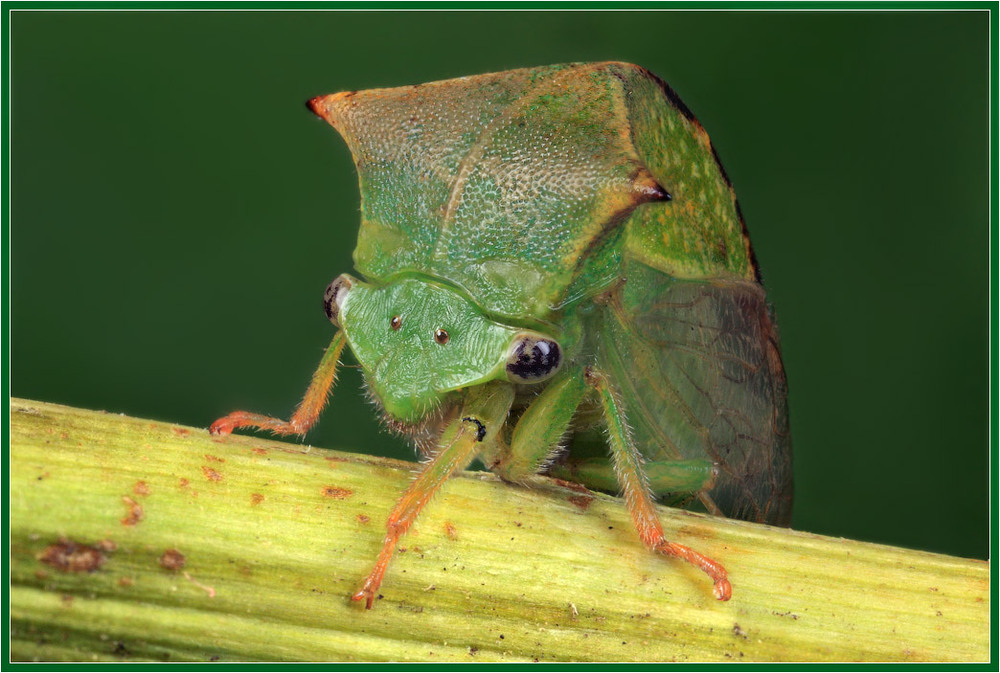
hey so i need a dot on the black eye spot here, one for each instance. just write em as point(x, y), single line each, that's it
point(441, 336)
point(396, 322)
point(533, 359)
point(334, 297)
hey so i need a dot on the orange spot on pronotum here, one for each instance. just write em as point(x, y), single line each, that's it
point(337, 493)
point(210, 474)
point(134, 512)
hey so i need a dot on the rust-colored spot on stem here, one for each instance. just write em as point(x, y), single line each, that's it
point(141, 488)
point(337, 493)
point(363, 518)
point(581, 501)
point(450, 530)
point(571, 485)
point(210, 474)
point(134, 513)
point(214, 459)
point(172, 560)
point(69, 556)
point(256, 499)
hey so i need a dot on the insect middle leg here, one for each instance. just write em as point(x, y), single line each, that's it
point(308, 410)
point(663, 476)
point(544, 423)
point(482, 415)
point(628, 466)
point(541, 427)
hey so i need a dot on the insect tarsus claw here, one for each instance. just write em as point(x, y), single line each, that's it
point(368, 597)
point(723, 590)
point(220, 428)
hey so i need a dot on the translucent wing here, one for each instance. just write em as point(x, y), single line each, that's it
point(499, 183)
point(699, 367)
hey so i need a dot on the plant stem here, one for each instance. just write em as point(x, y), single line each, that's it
point(273, 538)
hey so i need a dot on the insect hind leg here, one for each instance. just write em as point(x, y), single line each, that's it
point(628, 466)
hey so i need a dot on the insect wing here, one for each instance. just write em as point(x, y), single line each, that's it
point(700, 371)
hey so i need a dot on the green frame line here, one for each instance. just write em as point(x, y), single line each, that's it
point(507, 5)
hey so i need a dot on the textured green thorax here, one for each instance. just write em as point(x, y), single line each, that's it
point(410, 371)
point(507, 184)
point(498, 183)
point(699, 234)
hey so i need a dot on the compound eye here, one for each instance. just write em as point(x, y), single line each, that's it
point(396, 323)
point(333, 298)
point(532, 358)
point(441, 336)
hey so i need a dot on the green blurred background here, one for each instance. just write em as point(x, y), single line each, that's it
point(176, 214)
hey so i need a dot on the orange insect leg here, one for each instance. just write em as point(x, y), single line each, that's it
point(628, 466)
point(308, 411)
point(458, 448)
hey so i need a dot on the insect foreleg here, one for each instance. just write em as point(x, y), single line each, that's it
point(309, 408)
point(541, 426)
point(483, 413)
point(628, 466)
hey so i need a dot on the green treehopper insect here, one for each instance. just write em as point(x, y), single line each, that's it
point(546, 253)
